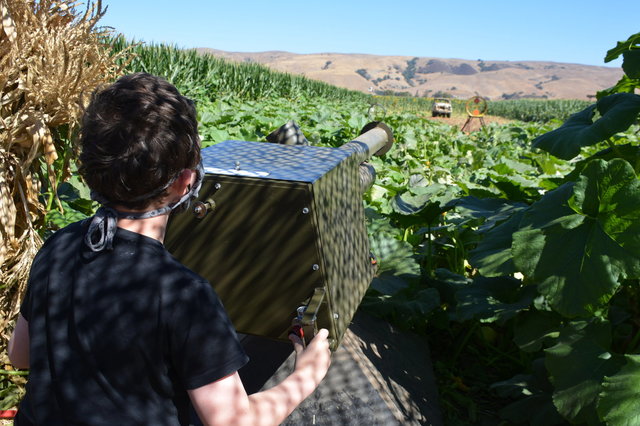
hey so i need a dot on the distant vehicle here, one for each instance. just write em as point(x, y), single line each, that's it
point(441, 107)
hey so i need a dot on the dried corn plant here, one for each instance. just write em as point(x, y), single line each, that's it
point(52, 57)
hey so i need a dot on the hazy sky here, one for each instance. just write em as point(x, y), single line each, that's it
point(559, 30)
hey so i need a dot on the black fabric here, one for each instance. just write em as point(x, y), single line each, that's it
point(117, 337)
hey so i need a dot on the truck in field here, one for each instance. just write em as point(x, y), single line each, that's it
point(441, 107)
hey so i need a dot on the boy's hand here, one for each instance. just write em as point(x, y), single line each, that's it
point(314, 360)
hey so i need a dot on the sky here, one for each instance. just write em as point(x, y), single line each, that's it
point(515, 30)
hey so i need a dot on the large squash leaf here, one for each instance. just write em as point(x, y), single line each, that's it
point(493, 256)
point(618, 112)
point(618, 404)
point(579, 240)
point(533, 405)
point(493, 299)
point(393, 255)
point(624, 85)
point(577, 366)
point(631, 63)
point(622, 47)
point(534, 329)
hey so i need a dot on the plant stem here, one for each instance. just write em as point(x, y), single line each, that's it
point(406, 234)
point(502, 353)
point(634, 342)
point(429, 254)
point(14, 373)
point(462, 344)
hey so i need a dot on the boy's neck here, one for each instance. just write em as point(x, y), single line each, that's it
point(152, 227)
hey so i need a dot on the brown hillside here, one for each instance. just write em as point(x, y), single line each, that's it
point(428, 76)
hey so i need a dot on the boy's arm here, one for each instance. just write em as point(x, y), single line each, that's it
point(18, 348)
point(225, 402)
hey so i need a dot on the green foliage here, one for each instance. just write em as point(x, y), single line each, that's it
point(205, 77)
point(618, 112)
point(630, 51)
point(536, 110)
point(527, 110)
point(577, 364)
point(496, 299)
point(11, 388)
point(579, 240)
point(618, 404)
point(553, 252)
point(532, 392)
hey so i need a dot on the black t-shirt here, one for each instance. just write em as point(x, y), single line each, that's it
point(117, 337)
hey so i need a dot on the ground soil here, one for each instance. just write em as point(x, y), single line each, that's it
point(379, 376)
point(474, 124)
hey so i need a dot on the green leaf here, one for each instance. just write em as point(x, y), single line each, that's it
point(627, 152)
point(357, 122)
point(57, 220)
point(618, 112)
point(577, 366)
point(493, 256)
point(418, 197)
point(448, 283)
point(622, 46)
point(618, 404)
point(409, 204)
point(566, 141)
point(516, 188)
point(422, 205)
point(631, 63)
point(534, 410)
point(76, 196)
point(423, 302)
point(404, 307)
point(534, 406)
point(624, 85)
point(493, 299)
point(535, 328)
point(579, 240)
point(388, 283)
point(392, 254)
point(207, 117)
point(491, 210)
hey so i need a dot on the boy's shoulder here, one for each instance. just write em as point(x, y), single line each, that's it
point(64, 236)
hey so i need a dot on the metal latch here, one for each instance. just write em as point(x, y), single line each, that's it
point(304, 324)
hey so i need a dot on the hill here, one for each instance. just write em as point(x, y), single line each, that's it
point(434, 76)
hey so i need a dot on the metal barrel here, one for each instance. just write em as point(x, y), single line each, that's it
point(376, 138)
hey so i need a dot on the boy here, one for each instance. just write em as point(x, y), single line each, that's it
point(114, 329)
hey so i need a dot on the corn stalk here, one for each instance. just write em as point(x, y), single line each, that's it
point(52, 57)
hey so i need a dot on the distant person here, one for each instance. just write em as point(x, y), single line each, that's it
point(113, 328)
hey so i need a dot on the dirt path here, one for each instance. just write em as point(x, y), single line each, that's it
point(460, 120)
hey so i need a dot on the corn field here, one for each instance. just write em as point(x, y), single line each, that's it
point(539, 110)
point(203, 76)
point(528, 110)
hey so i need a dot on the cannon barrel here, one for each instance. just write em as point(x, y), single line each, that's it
point(375, 139)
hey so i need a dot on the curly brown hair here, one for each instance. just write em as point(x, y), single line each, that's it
point(137, 135)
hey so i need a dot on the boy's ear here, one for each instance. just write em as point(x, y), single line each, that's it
point(182, 185)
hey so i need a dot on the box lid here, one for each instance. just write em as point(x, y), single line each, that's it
point(300, 163)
